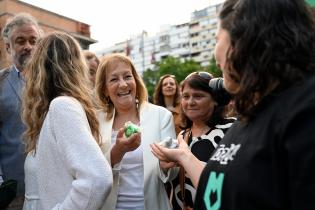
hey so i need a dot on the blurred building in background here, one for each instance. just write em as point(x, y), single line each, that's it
point(192, 40)
point(47, 20)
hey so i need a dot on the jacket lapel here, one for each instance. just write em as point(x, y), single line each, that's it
point(106, 131)
point(15, 82)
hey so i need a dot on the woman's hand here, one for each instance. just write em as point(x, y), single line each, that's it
point(170, 157)
point(124, 145)
point(182, 156)
point(165, 163)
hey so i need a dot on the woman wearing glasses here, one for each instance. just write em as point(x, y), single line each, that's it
point(266, 50)
point(204, 127)
point(166, 94)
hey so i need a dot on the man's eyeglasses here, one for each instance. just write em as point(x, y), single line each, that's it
point(203, 74)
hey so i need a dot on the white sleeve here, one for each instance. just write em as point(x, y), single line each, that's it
point(92, 176)
point(167, 130)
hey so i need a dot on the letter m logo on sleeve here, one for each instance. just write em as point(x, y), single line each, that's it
point(212, 195)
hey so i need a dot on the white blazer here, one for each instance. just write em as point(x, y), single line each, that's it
point(156, 123)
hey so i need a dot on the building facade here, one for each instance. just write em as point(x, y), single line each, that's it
point(202, 29)
point(47, 20)
point(192, 40)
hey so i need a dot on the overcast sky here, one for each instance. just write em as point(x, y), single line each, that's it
point(116, 20)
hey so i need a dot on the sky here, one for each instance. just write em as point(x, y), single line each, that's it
point(113, 21)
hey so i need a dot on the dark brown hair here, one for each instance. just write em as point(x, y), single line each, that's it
point(197, 82)
point(272, 46)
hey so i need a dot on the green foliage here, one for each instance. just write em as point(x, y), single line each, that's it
point(180, 69)
point(169, 65)
point(213, 69)
point(150, 77)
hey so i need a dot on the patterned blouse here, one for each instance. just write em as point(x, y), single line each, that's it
point(202, 147)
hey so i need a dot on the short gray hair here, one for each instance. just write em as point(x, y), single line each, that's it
point(18, 20)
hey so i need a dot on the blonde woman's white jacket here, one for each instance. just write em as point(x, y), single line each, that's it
point(156, 123)
point(71, 169)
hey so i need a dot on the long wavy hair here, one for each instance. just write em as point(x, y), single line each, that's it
point(110, 61)
point(158, 97)
point(57, 68)
point(272, 47)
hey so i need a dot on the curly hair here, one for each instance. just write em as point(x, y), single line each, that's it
point(106, 63)
point(272, 47)
point(57, 68)
point(158, 97)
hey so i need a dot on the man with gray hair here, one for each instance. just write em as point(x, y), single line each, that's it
point(20, 35)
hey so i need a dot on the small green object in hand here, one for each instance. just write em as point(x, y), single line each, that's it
point(131, 128)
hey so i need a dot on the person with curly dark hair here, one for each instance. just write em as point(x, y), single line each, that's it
point(266, 50)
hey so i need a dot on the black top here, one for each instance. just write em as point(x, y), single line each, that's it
point(269, 163)
point(202, 147)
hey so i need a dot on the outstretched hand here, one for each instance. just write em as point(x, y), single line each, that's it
point(170, 157)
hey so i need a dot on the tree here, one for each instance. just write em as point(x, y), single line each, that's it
point(213, 69)
point(150, 79)
point(169, 65)
point(180, 69)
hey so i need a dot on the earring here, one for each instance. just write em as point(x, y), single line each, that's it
point(137, 103)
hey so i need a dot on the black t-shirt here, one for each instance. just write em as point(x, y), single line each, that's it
point(268, 163)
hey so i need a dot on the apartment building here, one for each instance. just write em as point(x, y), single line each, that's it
point(191, 40)
point(140, 48)
point(202, 28)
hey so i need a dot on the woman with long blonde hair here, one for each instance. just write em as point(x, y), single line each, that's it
point(65, 167)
